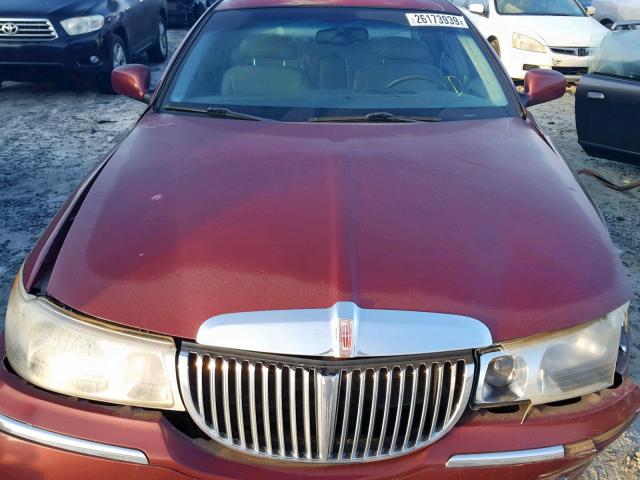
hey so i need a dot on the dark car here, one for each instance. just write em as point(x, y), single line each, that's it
point(186, 12)
point(336, 245)
point(608, 97)
point(44, 40)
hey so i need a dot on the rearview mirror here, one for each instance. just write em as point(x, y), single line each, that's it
point(342, 35)
point(132, 81)
point(591, 11)
point(541, 86)
point(476, 8)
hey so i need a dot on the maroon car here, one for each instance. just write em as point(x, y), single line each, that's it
point(336, 245)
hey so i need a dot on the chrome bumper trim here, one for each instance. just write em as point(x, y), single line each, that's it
point(72, 444)
point(506, 458)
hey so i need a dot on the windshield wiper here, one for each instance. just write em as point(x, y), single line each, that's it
point(379, 117)
point(217, 112)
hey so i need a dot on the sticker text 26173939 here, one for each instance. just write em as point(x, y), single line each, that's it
point(436, 20)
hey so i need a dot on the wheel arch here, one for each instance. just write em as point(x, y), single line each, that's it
point(122, 33)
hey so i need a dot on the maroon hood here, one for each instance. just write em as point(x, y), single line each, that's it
point(194, 217)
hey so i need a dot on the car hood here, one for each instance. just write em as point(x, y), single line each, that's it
point(559, 31)
point(45, 8)
point(195, 217)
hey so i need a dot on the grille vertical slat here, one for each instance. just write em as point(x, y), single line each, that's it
point(385, 415)
point(266, 420)
point(279, 410)
point(372, 415)
point(199, 361)
point(396, 426)
point(225, 399)
point(412, 408)
point(306, 413)
point(212, 393)
point(323, 413)
point(450, 394)
point(239, 403)
point(345, 415)
point(252, 407)
point(425, 404)
point(356, 435)
point(293, 413)
point(437, 392)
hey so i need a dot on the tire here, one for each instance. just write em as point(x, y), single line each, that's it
point(117, 57)
point(160, 50)
point(495, 45)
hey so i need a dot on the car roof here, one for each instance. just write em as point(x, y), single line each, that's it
point(430, 5)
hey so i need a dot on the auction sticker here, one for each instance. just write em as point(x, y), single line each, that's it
point(436, 20)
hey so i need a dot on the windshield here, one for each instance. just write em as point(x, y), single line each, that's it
point(619, 55)
point(564, 8)
point(303, 63)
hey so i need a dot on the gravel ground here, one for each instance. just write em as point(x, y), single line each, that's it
point(52, 137)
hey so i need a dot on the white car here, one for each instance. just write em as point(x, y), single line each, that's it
point(530, 34)
point(609, 12)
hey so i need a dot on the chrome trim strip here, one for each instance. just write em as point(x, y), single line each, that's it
point(70, 444)
point(516, 457)
point(313, 332)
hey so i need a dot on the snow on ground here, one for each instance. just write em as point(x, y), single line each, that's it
point(51, 137)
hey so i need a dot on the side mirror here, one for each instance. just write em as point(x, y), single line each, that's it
point(541, 86)
point(132, 81)
point(477, 8)
point(591, 11)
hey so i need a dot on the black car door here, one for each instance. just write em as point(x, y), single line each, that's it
point(152, 17)
point(136, 24)
point(608, 98)
point(608, 113)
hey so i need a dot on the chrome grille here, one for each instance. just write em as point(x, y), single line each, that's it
point(26, 29)
point(574, 51)
point(324, 411)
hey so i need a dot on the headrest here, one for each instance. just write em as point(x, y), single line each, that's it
point(268, 46)
point(399, 48)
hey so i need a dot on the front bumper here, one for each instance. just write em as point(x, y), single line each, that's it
point(29, 60)
point(44, 435)
point(519, 62)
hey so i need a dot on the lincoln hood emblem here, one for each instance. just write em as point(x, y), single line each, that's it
point(343, 324)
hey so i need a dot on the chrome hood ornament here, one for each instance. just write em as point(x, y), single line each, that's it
point(344, 331)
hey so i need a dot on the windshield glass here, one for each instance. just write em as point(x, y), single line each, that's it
point(565, 8)
point(302, 63)
point(619, 55)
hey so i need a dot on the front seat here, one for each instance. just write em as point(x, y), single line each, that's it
point(395, 58)
point(267, 70)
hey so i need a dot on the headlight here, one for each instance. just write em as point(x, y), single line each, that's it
point(80, 25)
point(61, 352)
point(524, 42)
point(557, 366)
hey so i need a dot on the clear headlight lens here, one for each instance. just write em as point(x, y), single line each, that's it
point(58, 351)
point(551, 367)
point(524, 42)
point(80, 25)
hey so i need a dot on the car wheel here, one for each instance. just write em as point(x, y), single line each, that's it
point(159, 51)
point(495, 44)
point(117, 58)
